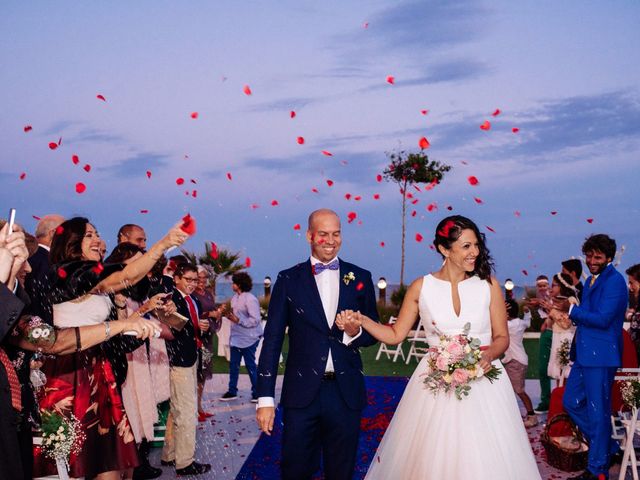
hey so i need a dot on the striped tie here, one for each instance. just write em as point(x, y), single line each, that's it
point(593, 280)
point(14, 383)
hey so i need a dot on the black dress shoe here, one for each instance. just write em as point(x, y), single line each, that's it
point(146, 472)
point(168, 463)
point(587, 475)
point(194, 469)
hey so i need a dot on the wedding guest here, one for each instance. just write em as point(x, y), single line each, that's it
point(633, 312)
point(246, 331)
point(80, 285)
point(573, 268)
point(35, 281)
point(213, 313)
point(180, 437)
point(516, 359)
point(596, 354)
point(561, 290)
point(13, 254)
point(133, 233)
point(140, 395)
point(546, 336)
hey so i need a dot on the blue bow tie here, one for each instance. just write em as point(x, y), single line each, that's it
point(320, 267)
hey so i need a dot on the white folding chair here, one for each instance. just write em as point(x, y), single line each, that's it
point(629, 421)
point(418, 341)
point(388, 351)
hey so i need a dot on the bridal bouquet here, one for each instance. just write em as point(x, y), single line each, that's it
point(61, 438)
point(454, 364)
point(564, 351)
point(630, 391)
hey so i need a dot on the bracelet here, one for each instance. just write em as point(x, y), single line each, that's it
point(78, 343)
point(107, 330)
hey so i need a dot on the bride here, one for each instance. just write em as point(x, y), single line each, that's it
point(433, 435)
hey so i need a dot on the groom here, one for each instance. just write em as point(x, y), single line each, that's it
point(596, 352)
point(323, 393)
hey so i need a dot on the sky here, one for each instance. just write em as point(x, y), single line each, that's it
point(565, 74)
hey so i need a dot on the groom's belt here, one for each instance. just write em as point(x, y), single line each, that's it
point(329, 376)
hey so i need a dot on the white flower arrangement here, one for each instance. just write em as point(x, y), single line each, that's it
point(348, 277)
point(61, 437)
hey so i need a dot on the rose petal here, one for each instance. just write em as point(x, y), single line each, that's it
point(23, 176)
point(61, 273)
point(35, 217)
point(27, 128)
point(517, 213)
point(485, 125)
point(418, 237)
point(194, 115)
point(98, 268)
point(347, 196)
point(53, 145)
point(357, 198)
point(87, 168)
point(274, 203)
point(148, 173)
point(314, 190)
point(188, 225)
point(424, 112)
point(296, 226)
point(327, 153)
point(359, 286)
point(101, 97)
point(554, 213)
point(423, 143)
point(589, 220)
point(515, 129)
point(525, 272)
point(478, 200)
point(330, 183)
point(194, 193)
point(144, 211)
point(300, 140)
point(292, 114)
point(229, 176)
point(247, 262)
point(376, 196)
point(490, 229)
point(382, 244)
point(247, 90)
point(351, 216)
point(378, 178)
point(472, 180)
point(497, 112)
point(59, 230)
point(75, 159)
point(414, 213)
point(179, 181)
point(449, 207)
point(80, 187)
point(432, 206)
point(391, 79)
point(214, 251)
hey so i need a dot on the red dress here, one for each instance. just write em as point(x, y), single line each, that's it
point(84, 384)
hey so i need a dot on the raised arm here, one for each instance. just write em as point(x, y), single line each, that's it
point(134, 271)
point(389, 334)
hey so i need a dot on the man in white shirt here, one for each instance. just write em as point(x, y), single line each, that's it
point(323, 392)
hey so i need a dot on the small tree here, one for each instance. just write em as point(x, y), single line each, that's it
point(407, 169)
point(222, 263)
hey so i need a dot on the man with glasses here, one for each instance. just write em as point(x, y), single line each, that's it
point(180, 439)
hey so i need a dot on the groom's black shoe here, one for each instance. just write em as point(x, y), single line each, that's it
point(587, 475)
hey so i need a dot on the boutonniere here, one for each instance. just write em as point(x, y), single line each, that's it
point(348, 277)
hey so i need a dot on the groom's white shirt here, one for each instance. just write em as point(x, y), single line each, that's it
point(328, 283)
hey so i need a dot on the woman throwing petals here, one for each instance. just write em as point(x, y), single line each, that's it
point(434, 433)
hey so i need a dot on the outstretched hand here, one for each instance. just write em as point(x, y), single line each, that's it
point(349, 322)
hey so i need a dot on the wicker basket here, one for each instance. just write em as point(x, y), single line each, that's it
point(565, 457)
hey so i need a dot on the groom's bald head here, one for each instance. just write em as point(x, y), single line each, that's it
point(316, 214)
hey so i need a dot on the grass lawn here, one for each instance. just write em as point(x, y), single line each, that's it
point(384, 366)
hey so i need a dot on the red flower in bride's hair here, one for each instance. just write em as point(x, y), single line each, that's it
point(446, 228)
point(188, 224)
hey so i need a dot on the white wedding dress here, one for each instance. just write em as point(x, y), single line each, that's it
point(438, 437)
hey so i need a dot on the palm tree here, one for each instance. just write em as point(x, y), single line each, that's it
point(222, 263)
point(407, 169)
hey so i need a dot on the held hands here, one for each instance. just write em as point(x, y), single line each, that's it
point(561, 318)
point(265, 417)
point(203, 323)
point(349, 322)
point(175, 237)
point(485, 361)
point(144, 328)
point(17, 254)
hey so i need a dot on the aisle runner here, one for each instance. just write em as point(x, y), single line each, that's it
point(263, 463)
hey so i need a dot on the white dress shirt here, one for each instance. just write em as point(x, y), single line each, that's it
point(328, 283)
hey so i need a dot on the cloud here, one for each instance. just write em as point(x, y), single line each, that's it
point(93, 135)
point(58, 128)
point(290, 103)
point(137, 164)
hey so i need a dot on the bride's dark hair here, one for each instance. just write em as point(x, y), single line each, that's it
point(449, 230)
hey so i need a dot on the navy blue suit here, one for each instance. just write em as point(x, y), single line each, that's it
point(597, 354)
point(319, 414)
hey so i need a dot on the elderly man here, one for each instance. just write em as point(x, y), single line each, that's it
point(132, 233)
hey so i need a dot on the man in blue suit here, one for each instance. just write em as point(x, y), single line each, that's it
point(596, 352)
point(323, 393)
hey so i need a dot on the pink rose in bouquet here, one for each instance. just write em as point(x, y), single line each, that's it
point(442, 363)
point(455, 349)
point(460, 376)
